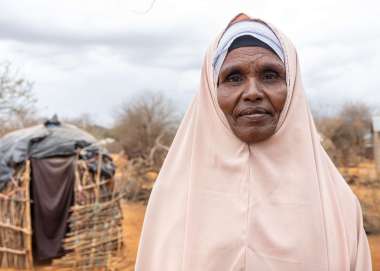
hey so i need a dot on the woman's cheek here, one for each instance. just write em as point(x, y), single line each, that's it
point(282, 94)
point(224, 98)
point(276, 96)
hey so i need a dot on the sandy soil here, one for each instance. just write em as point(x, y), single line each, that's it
point(134, 216)
point(374, 242)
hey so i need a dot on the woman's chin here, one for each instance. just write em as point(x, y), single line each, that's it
point(255, 119)
point(254, 133)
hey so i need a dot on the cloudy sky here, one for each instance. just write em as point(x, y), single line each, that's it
point(87, 56)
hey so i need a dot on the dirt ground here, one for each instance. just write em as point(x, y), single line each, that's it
point(374, 242)
point(134, 216)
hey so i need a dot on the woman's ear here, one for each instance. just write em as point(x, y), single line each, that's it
point(238, 18)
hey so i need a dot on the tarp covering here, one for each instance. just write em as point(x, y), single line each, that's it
point(49, 140)
point(52, 192)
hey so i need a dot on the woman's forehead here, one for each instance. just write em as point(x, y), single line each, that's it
point(250, 56)
point(253, 52)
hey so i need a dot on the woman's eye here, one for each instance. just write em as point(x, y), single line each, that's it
point(234, 78)
point(270, 75)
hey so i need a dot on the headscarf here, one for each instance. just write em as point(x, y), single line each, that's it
point(251, 28)
point(220, 204)
point(248, 41)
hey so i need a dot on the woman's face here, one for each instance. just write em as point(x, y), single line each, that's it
point(252, 92)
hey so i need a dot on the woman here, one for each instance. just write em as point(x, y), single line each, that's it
point(246, 184)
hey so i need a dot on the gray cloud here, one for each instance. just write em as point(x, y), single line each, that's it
point(88, 57)
point(169, 48)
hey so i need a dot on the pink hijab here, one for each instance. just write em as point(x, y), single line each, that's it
point(222, 205)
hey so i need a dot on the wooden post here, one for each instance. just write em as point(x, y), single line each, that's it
point(98, 177)
point(78, 185)
point(27, 220)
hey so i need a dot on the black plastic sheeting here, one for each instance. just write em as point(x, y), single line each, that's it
point(50, 140)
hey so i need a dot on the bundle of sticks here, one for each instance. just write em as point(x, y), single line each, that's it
point(94, 240)
point(15, 224)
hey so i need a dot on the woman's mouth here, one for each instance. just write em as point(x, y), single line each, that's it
point(254, 114)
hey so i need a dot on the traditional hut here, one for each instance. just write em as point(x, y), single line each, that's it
point(58, 199)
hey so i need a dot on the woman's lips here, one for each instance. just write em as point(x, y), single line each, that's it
point(253, 114)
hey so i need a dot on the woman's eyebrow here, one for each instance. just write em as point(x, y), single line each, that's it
point(272, 65)
point(231, 68)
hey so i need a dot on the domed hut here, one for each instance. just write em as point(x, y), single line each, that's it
point(58, 199)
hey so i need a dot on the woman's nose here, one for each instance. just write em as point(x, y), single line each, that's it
point(252, 91)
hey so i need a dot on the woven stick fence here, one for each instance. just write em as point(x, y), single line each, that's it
point(15, 223)
point(94, 241)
